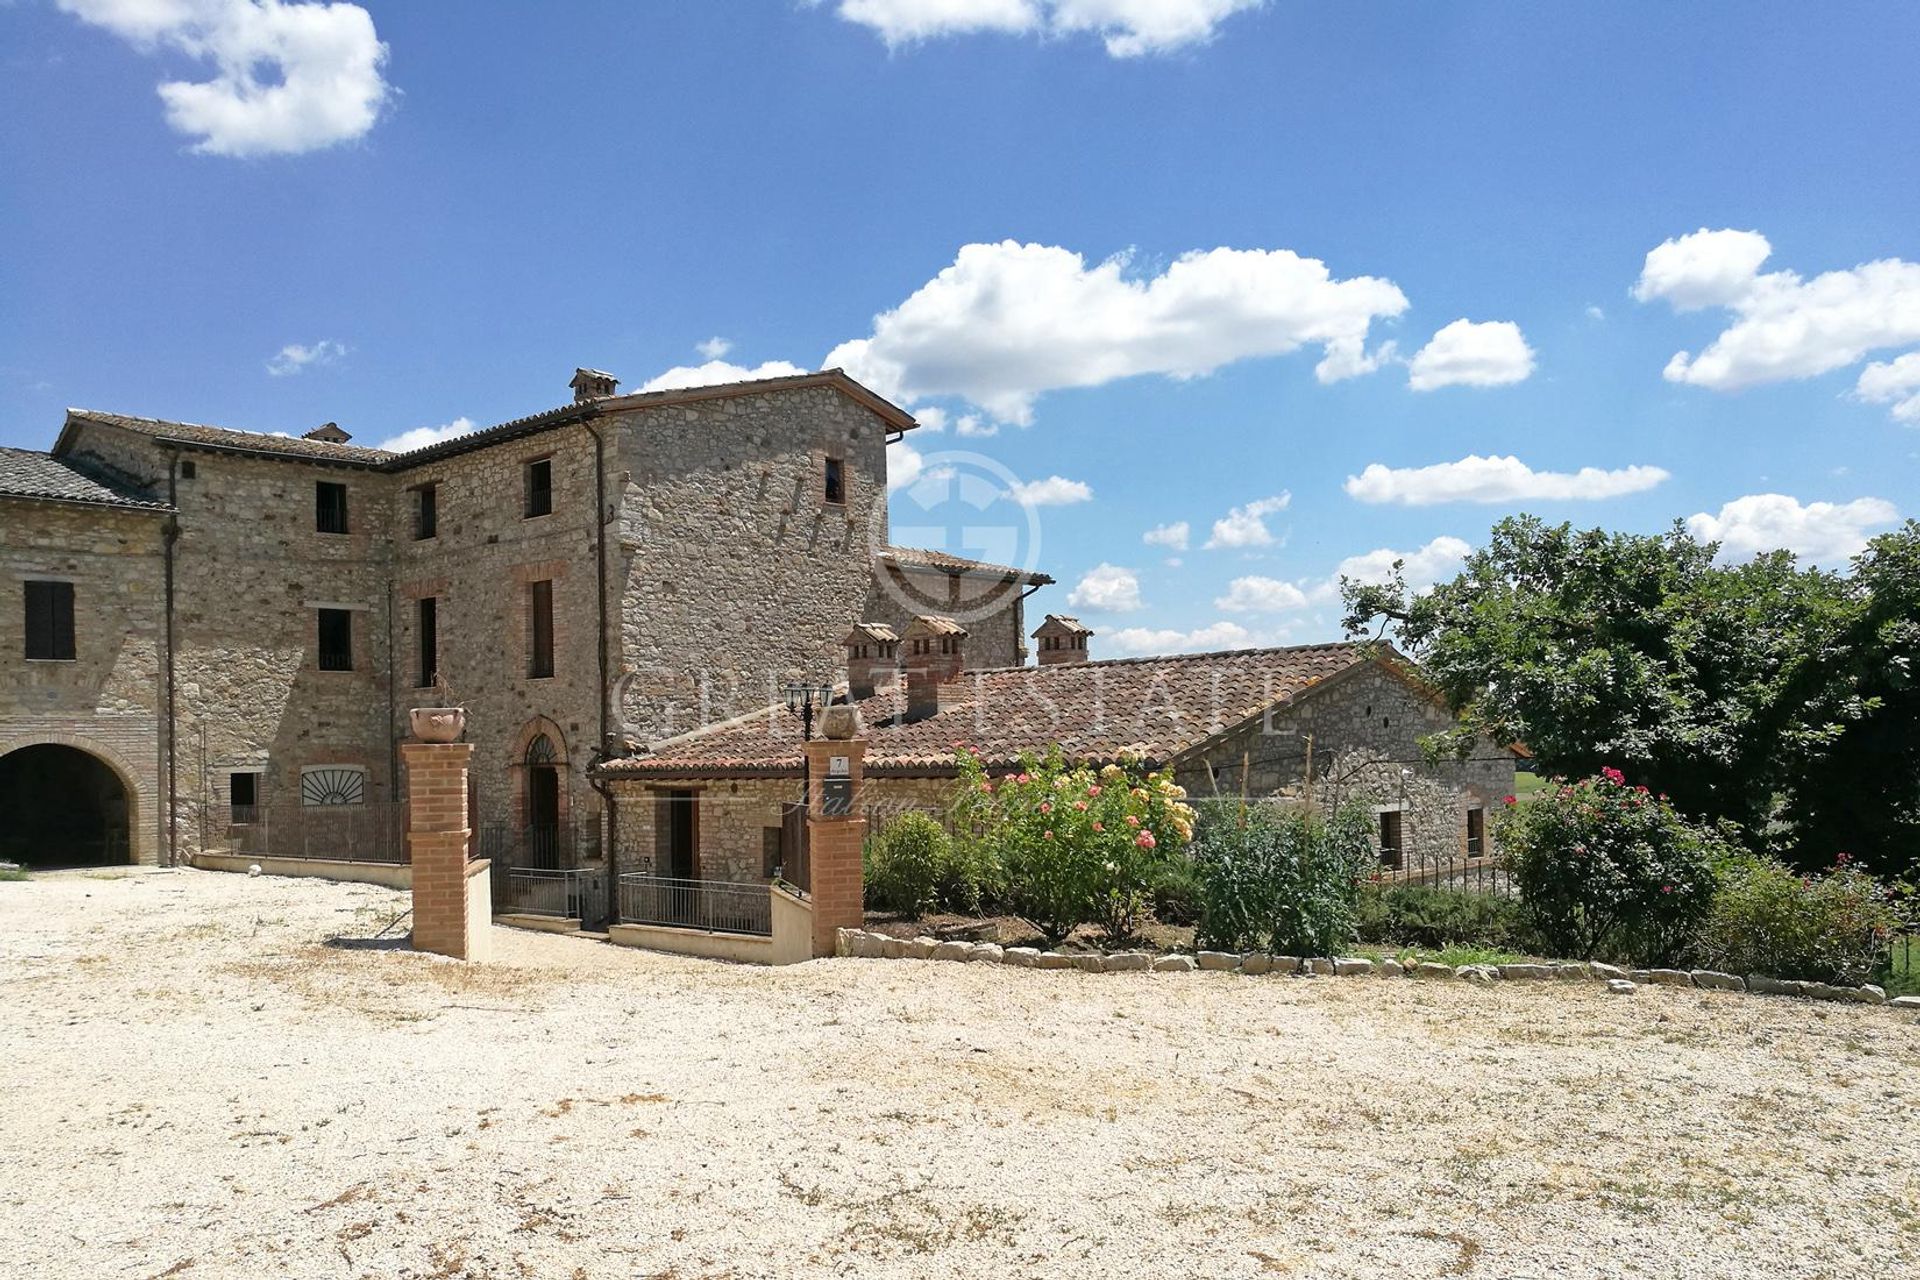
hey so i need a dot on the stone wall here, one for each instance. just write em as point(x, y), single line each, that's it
point(993, 611)
point(107, 700)
point(733, 820)
point(1366, 730)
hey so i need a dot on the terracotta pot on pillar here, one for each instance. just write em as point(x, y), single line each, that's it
point(437, 724)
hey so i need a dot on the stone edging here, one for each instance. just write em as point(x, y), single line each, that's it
point(877, 946)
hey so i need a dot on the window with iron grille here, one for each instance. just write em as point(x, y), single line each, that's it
point(426, 512)
point(429, 636)
point(1476, 832)
point(50, 621)
point(1392, 851)
point(336, 639)
point(243, 797)
point(539, 487)
point(329, 507)
point(836, 481)
point(540, 616)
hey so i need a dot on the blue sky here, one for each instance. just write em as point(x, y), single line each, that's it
point(1156, 247)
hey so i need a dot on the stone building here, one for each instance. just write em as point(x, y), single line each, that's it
point(212, 633)
point(1319, 725)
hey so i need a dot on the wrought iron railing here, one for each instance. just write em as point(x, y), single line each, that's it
point(718, 906)
point(552, 845)
point(575, 893)
point(329, 832)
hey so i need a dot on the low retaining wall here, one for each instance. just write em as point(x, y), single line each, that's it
point(875, 946)
point(790, 942)
point(394, 875)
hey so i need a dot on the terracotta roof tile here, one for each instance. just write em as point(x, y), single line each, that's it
point(227, 438)
point(921, 558)
point(1094, 710)
point(25, 473)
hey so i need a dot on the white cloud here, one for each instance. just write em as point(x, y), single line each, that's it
point(421, 437)
point(1108, 588)
point(714, 348)
point(1822, 532)
point(1261, 595)
point(1469, 354)
point(1133, 641)
point(1595, 313)
point(715, 372)
point(1007, 322)
point(1129, 28)
point(1171, 536)
point(972, 426)
point(1494, 479)
point(1895, 382)
point(1784, 327)
point(296, 357)
point(1054, 491)
point(1441, 558)
point(289, 77)
point(1247, 526)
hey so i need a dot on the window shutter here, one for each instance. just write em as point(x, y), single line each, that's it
point(662, 834)
point(62, 619)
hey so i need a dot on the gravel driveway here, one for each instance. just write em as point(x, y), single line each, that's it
point(194, 1084)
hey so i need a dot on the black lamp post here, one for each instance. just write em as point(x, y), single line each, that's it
point(803, 698)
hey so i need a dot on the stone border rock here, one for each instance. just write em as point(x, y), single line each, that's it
point(876, 946)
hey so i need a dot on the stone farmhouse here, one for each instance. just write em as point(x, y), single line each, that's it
point(210, 640)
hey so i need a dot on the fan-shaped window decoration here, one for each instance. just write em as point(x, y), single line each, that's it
point(540, 750)
point(334, 784)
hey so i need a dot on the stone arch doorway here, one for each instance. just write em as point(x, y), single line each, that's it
point(543, 803)
point(61, 806)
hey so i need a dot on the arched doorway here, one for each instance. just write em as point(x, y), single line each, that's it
point(542, 840)
point(63, 807)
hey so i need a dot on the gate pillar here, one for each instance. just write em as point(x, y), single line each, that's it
point(452, 897)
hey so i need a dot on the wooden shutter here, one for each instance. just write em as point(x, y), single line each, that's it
point(50, 620)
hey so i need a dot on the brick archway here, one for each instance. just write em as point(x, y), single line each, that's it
point(521, 767)
point(142, 804)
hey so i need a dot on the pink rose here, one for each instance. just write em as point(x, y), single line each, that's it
point(1094, 790)
point(1048, 836)
point(1144, 840)
point(1132, 821)
point(1081, 805)
point(1099, 827)
point(1046, 806)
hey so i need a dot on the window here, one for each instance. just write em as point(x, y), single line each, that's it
point(540, 615)
point(1476, 832)
point(428, 632)
point(243, 797)
point(539, 487)
point(1392, 853)
point(50, 621)
point(836, 481)
point(188, 470)
point(772, 855)
point(330, 784)
point(336, 640)
point(426, 512)
point(329, 507)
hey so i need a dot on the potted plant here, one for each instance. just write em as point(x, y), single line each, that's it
point(441, 722)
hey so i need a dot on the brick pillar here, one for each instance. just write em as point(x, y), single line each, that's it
point(452, 910)
point(834, 841)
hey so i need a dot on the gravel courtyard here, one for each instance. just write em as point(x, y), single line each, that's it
point(194, 1083)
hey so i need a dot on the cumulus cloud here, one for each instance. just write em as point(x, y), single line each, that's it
point(1054, 491)
point(288, 77)
point(1827, 533)
point(1894, 382)
point(715, 347)
point(1784, 327)
point(1133, 641)
point(906, 465)
point(1261, 595)
point(1247, 526)
point(1468, 354)
point(1108, 588)
point(1129, 28)
point(1171, 536)
point(715, 372)
point(297, 358)
point(421, 437)
point(1007, 322)
point(1439, 559)
point(1494, 479)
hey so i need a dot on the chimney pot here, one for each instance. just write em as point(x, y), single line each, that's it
point(936, 654)
point(592, 384)
point(1062, 639)
point(873, 660)
point(328, 432)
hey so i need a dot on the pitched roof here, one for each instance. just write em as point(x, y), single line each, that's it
point(309, 450)
point(940, 561)
point(26, 473)
point(1061, 624)
point(1160, 707)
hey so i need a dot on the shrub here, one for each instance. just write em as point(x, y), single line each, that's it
point(1176, 892)
point(1423, 916)
point(1279, 879)
point(1602, 866)
point(1771, 920)
point(1074, 845)
point(904, 865)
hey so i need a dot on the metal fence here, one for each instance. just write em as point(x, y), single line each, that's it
point(718, 906)
point(574, 893)
point(1467, 874)
point(549, 845)
point(333, 832)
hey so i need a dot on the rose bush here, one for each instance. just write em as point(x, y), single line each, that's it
point(1604, 867)
point(1768, 918)
point(1075, 845)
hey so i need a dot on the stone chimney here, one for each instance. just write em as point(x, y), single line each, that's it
point(592, 384)
point(1062, 639)
point(873, 660)
point(936, 654)
point(329, 432)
